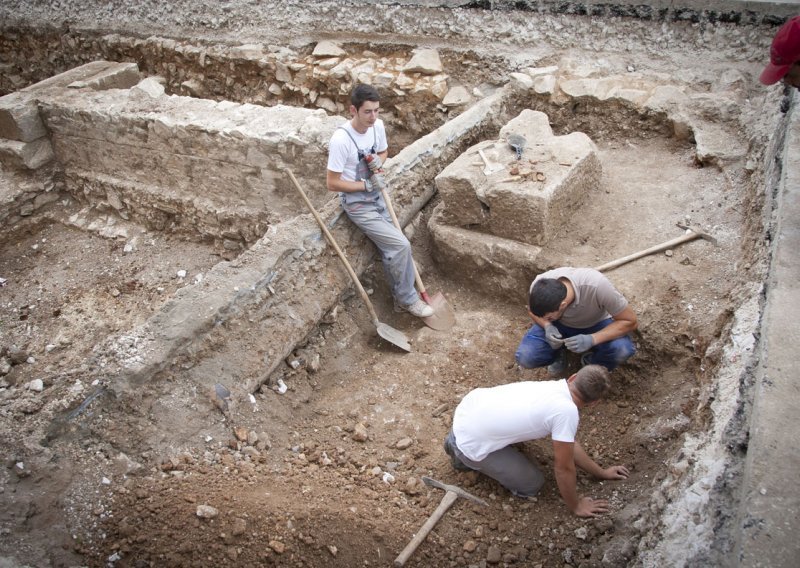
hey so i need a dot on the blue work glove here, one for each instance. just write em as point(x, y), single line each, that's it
point(374, 162)
point(553, 336)
point(375, 182)
point(579, 343)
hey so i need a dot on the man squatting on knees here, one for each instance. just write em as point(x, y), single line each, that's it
point(576, 308)
point(359, 182)
point(488, 420)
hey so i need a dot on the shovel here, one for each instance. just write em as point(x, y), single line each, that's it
point(490, 167)
point(387, 332)
point(443, 317)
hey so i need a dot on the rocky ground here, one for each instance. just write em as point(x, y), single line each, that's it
point(327, 472)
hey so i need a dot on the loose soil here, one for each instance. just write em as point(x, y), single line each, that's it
point(290, 482)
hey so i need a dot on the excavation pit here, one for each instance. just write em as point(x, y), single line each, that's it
point(129, 426)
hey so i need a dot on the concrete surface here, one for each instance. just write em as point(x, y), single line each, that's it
point(770, 505)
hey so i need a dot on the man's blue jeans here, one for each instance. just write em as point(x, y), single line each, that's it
point(534, 351)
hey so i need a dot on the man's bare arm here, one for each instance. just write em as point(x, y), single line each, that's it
point(624, 323)
point(567, 483)
point(587, 464)
point(334, 182)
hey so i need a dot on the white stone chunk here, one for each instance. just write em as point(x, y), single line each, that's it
point(522, 80)
point(19, 118)
point(149, 87)
point(328, 49)
point(457, 96)
point(425, 61)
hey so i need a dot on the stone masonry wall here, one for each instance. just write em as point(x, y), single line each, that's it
point(213, 170)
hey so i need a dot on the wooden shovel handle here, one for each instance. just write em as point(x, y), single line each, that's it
point(392, 214)
point(335, 246)
point(448, 499)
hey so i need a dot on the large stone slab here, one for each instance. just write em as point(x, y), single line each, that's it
point(25, 155)
point(19, 118)
point(97, 75)
point(557, 173)
point(500, 266)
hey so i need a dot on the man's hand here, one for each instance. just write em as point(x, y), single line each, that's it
point(374, 162)
point(375, 182)
point(616, 472)
point(588, 507)
point(579, 343)
point(553, 336)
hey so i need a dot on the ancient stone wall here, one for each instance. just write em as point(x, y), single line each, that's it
point(187, 165)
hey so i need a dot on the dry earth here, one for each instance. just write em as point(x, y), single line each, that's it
point(328, 472)
point(310, 494)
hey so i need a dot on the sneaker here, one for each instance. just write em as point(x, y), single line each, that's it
point(419, 309)
point(457, 464)
point(557, 367)
point(586, 359)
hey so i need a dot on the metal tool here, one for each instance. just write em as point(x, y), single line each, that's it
point(517, 143)
point(385, 331)
point(443, 317)
point(691, 234)
point(489, 167)
point(452, 492)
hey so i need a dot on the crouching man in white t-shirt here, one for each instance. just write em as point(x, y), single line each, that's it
point(488, 421)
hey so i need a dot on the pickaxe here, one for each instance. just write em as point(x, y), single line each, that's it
point(452, 492)
point(691, 234)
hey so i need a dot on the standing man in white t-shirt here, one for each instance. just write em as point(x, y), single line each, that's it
point(488, 421)
point(359, 182)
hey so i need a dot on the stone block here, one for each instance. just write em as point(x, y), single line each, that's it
point(500, 266)
point(555, 175)
point(425, 61)
point(632, 88)
point(326, 49)
point(27, 155)
point(717, 145)
point(149, 87)
point(19, 118)
point(522, 80)
point(457, 96)
point(544, 84)
point(666, 98)
point(97, 75)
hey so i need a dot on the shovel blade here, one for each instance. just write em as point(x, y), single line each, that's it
point(393, 336)
point(443, 317)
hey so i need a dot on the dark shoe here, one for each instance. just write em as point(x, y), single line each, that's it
point(557, 367)
point(457, 464)
point(586, 359)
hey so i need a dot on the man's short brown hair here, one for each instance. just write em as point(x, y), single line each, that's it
point(592, 383)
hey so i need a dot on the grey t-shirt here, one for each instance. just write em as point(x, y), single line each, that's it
point(595, 297)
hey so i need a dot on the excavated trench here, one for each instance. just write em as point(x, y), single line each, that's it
point(197, 342)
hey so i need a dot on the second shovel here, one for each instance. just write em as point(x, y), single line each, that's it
point(443, 317)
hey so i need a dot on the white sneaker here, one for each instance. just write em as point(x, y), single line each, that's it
point(419, 309)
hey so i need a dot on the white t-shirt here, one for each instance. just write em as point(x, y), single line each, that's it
point(489, 419)
point(343, 154)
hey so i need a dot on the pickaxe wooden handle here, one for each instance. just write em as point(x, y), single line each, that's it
point(690, 236)
point(448, 499)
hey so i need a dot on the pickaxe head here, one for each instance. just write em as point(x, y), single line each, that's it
point(700, 233)
point(455, 489)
